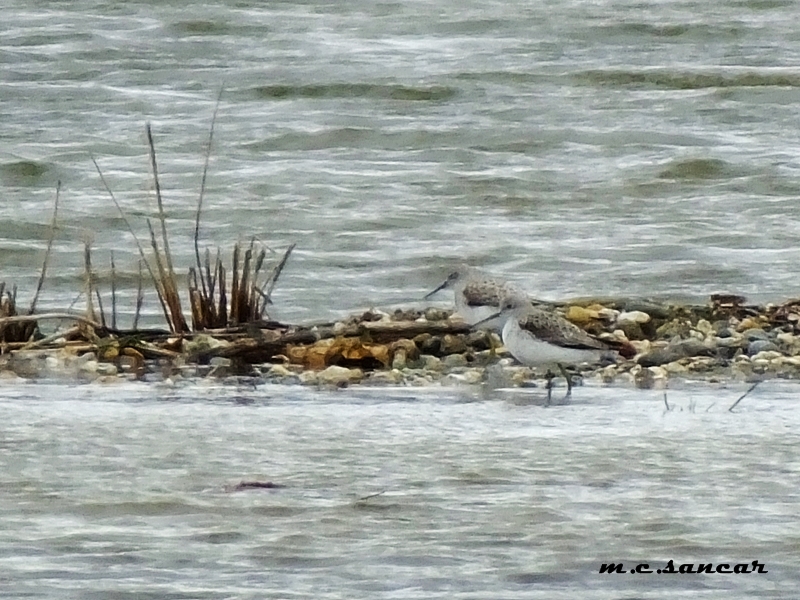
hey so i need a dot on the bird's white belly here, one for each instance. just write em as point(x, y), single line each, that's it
point(531, 351)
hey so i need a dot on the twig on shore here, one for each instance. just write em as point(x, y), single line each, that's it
point(49, 316)
point(742, 397)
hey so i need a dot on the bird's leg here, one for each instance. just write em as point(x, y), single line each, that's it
point(549, 376)
point(568, 377)
point(490, 341)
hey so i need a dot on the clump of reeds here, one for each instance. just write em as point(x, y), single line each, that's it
point(249, 297)
point(213, 305)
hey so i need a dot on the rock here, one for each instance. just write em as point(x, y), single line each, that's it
point(754, 334)
point(634, 316)
point(478, 340)
point(52, 364)
point(758, 345)
point(675, 367)
point(279, 371)
point(453, 344)
point(106, 369)
point(90, 366)
point(468, 377)
point(403, 351)
point(691, 347)
point(580, 315)
point(430, 363)
point(670, 329)
point(704, 327)
point(336, 375)
point(429, 344)
point(220, 361)
point(632, 330)
point(767, 355)
point(435, 314)
point(202, 343)
point(655, 311)
point(392, 377)
point(721, 328)
point(452, 361)
point(659, 356)
point(309, 377)
point(644, 379)
point(749, 323)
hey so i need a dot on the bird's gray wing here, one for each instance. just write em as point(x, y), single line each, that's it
point(553, 329)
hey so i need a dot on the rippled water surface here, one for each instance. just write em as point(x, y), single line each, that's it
point(473, 495)
point(579, 148)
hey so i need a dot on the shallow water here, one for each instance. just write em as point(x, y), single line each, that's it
point(478, 495)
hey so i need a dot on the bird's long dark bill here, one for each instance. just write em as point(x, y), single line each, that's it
point(441, 287)
point(489, 318)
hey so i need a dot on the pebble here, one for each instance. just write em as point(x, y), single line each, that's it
point(634, 316)
point(659, 356)
point(580, 315)
point(106, 369)
point(336, 375)
point(431, 363)
point(279, 371)
point(454, 360)
point(755, 333)
point(308, 377)
point(758, 346)
point(385, 377)
point(748, 323)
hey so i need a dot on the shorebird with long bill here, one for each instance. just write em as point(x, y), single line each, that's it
point(477, 296)
point(536, 337)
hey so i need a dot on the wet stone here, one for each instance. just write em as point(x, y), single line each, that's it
point(453, 344)
point(659, 356)
point(760, 345)
point(755, 334)
point(452, 361)
point(429, 344)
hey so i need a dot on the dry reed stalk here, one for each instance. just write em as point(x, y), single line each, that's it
point(87, 265)
point(159, 201)
point(165, 268)
point(234, 317)
point(276, 272)
point(113, 293)
point(47, 252)
point(204, 283)
point(166, 287)
point(100, 308)
point(139, 298)
point(136, 239)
